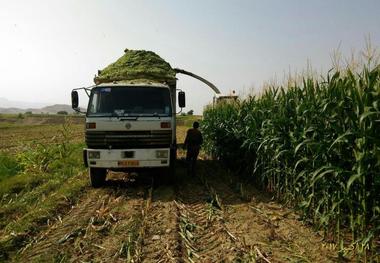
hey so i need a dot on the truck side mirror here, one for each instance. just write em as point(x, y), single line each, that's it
point(181, 99)
point(74, 99)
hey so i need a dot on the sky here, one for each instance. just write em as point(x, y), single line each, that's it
point(49, 47)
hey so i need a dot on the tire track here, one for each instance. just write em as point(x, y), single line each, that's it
point(268, 231)
point(161, 240)
point(202, 226)
point(119, 241)
point(83, 210)
point(98, 228)
point(185, 224)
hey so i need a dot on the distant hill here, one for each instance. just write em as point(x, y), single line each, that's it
point(5, 103)
point(56, 108)
point(53, 109)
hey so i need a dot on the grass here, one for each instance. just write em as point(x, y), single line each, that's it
point(9, 166)
point(19, 232)
point(48, 206)
point(24, 191)
point(49, 178)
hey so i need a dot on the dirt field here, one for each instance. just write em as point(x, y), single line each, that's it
point(199, 219)
point(16, 133)
point(211, 217)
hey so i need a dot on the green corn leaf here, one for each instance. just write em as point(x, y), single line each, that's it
point(319, 174)
point(352, 179)
point(340, 138)
point(298, 147)
point(366, 115)
point(304, 159)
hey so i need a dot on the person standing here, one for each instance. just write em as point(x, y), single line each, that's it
point(193, 142)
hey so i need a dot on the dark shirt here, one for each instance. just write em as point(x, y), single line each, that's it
point(193, 138)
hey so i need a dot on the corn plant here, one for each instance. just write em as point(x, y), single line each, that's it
point(315, 144)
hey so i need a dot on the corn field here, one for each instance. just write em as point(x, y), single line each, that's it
point(314, 145)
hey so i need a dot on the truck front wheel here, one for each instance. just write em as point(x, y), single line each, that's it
point(97, 177)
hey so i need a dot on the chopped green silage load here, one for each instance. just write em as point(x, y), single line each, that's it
point(137, 65)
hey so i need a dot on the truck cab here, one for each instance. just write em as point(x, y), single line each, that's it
point(129, 127)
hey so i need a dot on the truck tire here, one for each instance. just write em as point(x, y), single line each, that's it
point(97, 177)
point(171, 173)
point(166, 176)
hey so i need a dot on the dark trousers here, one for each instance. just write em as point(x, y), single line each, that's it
point(191, 159)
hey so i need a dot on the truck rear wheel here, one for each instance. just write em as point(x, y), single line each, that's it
point(169, 175)
point(164, 176)
point(97, 177)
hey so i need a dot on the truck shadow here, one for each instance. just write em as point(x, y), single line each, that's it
point(210, 182)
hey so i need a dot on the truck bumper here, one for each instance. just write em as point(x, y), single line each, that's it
point(127, 158)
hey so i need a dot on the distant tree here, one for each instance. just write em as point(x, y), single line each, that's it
point(190, 112)
point(183, 114)
point(28, 113)
point(62, 112)
point(20, 116)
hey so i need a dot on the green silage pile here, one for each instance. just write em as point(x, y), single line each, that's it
point(137, 65)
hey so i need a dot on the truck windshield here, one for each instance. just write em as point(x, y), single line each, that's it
point(129, 101)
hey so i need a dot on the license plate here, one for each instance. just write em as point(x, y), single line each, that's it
point(129, 163)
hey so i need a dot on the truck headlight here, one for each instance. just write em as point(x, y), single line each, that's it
point(93, 155)
point(162, 154)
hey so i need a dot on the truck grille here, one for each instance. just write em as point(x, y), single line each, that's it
point(128, 139)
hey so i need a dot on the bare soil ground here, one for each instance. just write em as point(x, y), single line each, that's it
point(198, 219)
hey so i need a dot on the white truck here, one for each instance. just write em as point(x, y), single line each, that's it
point(131, 125)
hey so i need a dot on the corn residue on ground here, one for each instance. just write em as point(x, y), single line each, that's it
point(198, 219)
point(49, 213)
